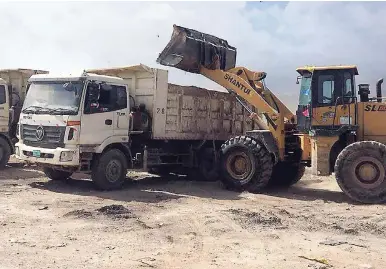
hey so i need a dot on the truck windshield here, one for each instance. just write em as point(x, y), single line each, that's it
point(53, 97)
point(305, 91)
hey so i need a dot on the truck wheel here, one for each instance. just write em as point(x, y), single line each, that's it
point(55, 174)
point(5, 153)
point(246, 164)
point(360, 171)
point(109, 172)
point(286, 174)
point(208, 167)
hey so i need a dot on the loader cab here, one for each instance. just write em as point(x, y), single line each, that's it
point(322, 90)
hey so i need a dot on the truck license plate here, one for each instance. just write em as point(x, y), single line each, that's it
point(36, 153)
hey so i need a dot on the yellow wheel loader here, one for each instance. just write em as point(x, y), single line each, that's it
point(331, 130)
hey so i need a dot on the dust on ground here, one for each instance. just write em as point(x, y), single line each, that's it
point(175, 223)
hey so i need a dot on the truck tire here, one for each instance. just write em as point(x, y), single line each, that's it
point(360, 171)
point(55, 174)
point(5, 153)
point(245, 164)
point(109, 171)
point(207, 166)
point(286, 174)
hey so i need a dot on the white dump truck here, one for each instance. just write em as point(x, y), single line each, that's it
point(106, 121)
point(13, 88)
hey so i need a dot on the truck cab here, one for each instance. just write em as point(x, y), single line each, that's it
point(5, 145)
point(58, 107)
point(13, 87)
point(325, 93)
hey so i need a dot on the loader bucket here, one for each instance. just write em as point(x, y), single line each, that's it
point(189, 49)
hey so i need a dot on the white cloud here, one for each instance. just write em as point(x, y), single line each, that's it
point(64, 36)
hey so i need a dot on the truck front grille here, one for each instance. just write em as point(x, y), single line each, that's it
point(53, 136)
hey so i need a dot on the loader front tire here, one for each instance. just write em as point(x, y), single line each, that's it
point(246, 164)
point(360, 171)
point(286, 174)
point(109, 171)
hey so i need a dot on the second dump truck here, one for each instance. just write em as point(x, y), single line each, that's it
point(13, 88)
point(107, 121)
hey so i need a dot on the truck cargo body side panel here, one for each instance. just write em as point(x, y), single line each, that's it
point(194, 113)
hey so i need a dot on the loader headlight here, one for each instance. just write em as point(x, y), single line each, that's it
point(66, 156)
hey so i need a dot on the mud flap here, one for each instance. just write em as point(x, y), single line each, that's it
point(189, 49)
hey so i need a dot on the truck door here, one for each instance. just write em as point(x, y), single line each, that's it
point(121, 115)
point(97, 123)
point(4, 108)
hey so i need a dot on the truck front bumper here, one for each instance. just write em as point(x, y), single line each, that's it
point(58, 156)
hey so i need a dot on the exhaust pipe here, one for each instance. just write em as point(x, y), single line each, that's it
point(379, 90)
point(189, 49)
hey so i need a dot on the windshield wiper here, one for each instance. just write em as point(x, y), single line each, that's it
point(33, 109)
point(61, 110)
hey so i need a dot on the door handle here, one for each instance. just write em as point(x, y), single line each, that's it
point(108, 122)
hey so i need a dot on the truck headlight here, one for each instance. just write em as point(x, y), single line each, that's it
point(66, 156)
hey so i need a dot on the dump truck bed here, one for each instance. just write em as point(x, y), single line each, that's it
point(18, 79)
point(182, 112)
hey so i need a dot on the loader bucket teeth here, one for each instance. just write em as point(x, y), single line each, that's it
point(189, 49)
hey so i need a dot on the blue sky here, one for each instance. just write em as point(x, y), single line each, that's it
point(275, 37)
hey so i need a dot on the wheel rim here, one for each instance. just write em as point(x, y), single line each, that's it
point(113, 171)
point(368, 172)
point(239, 166)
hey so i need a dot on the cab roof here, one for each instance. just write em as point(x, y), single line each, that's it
point(75, 77)
point(302, 70)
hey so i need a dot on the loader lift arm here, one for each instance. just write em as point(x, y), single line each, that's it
point(251, 161)
point(249, 85)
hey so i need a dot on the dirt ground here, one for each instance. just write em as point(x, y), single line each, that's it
point(175, 223)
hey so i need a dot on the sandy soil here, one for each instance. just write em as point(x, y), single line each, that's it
point(175, 223)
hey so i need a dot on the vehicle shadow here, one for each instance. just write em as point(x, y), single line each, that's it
point(149, 189)
point(17, 171)
point(302, 192)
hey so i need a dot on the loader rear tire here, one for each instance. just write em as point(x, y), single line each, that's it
point(360, 172)
point(246, 164)
point(55, 174)
point(109, 171)
point(5, 153)
point(286, 174)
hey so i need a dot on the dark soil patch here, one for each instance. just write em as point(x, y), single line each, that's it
point(249, 218)
point(116, 212)
point(79, 214)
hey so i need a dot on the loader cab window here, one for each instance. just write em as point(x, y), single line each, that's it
point(326, 92)
point(305, 90)
point(349, 90)
point(3, 98)
point(332, 87)
point(107, 98)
